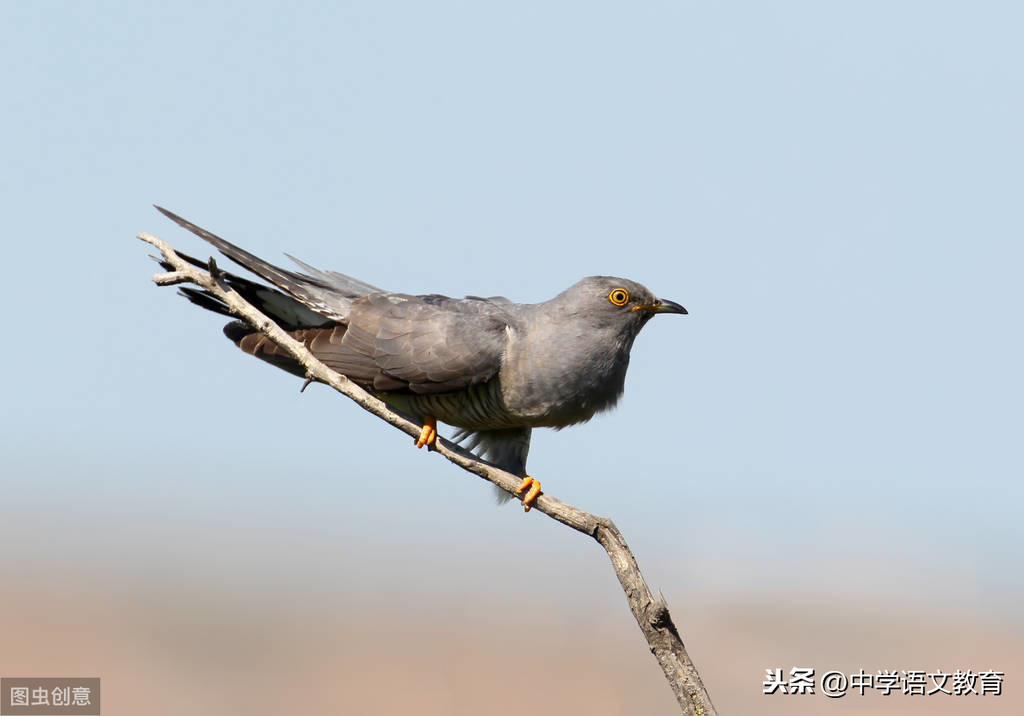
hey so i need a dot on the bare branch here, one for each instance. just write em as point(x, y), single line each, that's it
point(651, 613)
point(171, 278)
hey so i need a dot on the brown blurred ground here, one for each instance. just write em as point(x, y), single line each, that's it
point(251, 655)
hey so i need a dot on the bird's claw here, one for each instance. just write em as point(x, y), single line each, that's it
point(428, 435)
point(532, 489)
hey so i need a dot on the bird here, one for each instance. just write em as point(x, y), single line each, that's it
point(490, 368)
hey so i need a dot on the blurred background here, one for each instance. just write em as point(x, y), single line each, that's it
point(819, 467)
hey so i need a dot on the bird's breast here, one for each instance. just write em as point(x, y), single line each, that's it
point(562, 379)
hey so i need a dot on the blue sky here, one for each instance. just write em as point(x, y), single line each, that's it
point(833, 191)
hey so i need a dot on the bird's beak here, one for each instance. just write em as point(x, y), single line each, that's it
point(662, 305)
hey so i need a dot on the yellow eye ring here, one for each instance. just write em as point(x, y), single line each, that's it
point(619, 296)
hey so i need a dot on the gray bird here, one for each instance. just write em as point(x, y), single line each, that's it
point(492, 368)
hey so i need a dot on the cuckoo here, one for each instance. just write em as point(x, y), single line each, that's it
point(489, 367)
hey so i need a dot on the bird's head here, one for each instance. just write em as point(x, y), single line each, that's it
point(609, 302)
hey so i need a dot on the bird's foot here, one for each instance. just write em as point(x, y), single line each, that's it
point(532, 488)
point(428, 435)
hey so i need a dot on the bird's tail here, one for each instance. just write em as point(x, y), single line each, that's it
point(285, 310)
point(291, 315)
point(328, 293)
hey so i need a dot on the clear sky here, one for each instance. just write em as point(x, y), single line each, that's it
point(833, 191)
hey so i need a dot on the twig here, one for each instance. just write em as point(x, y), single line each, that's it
point(651, 614)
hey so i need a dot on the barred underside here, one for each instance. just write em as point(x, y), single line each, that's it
point(478, 407)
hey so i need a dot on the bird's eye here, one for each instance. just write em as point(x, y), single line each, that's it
point(619, 296)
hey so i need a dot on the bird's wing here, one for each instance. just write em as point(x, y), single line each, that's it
point(326, 292)
point(385, 341)
point(422, 344)
point(338, 281)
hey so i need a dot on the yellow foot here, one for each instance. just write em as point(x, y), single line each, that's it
point(428, 436)
point(532, 489)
